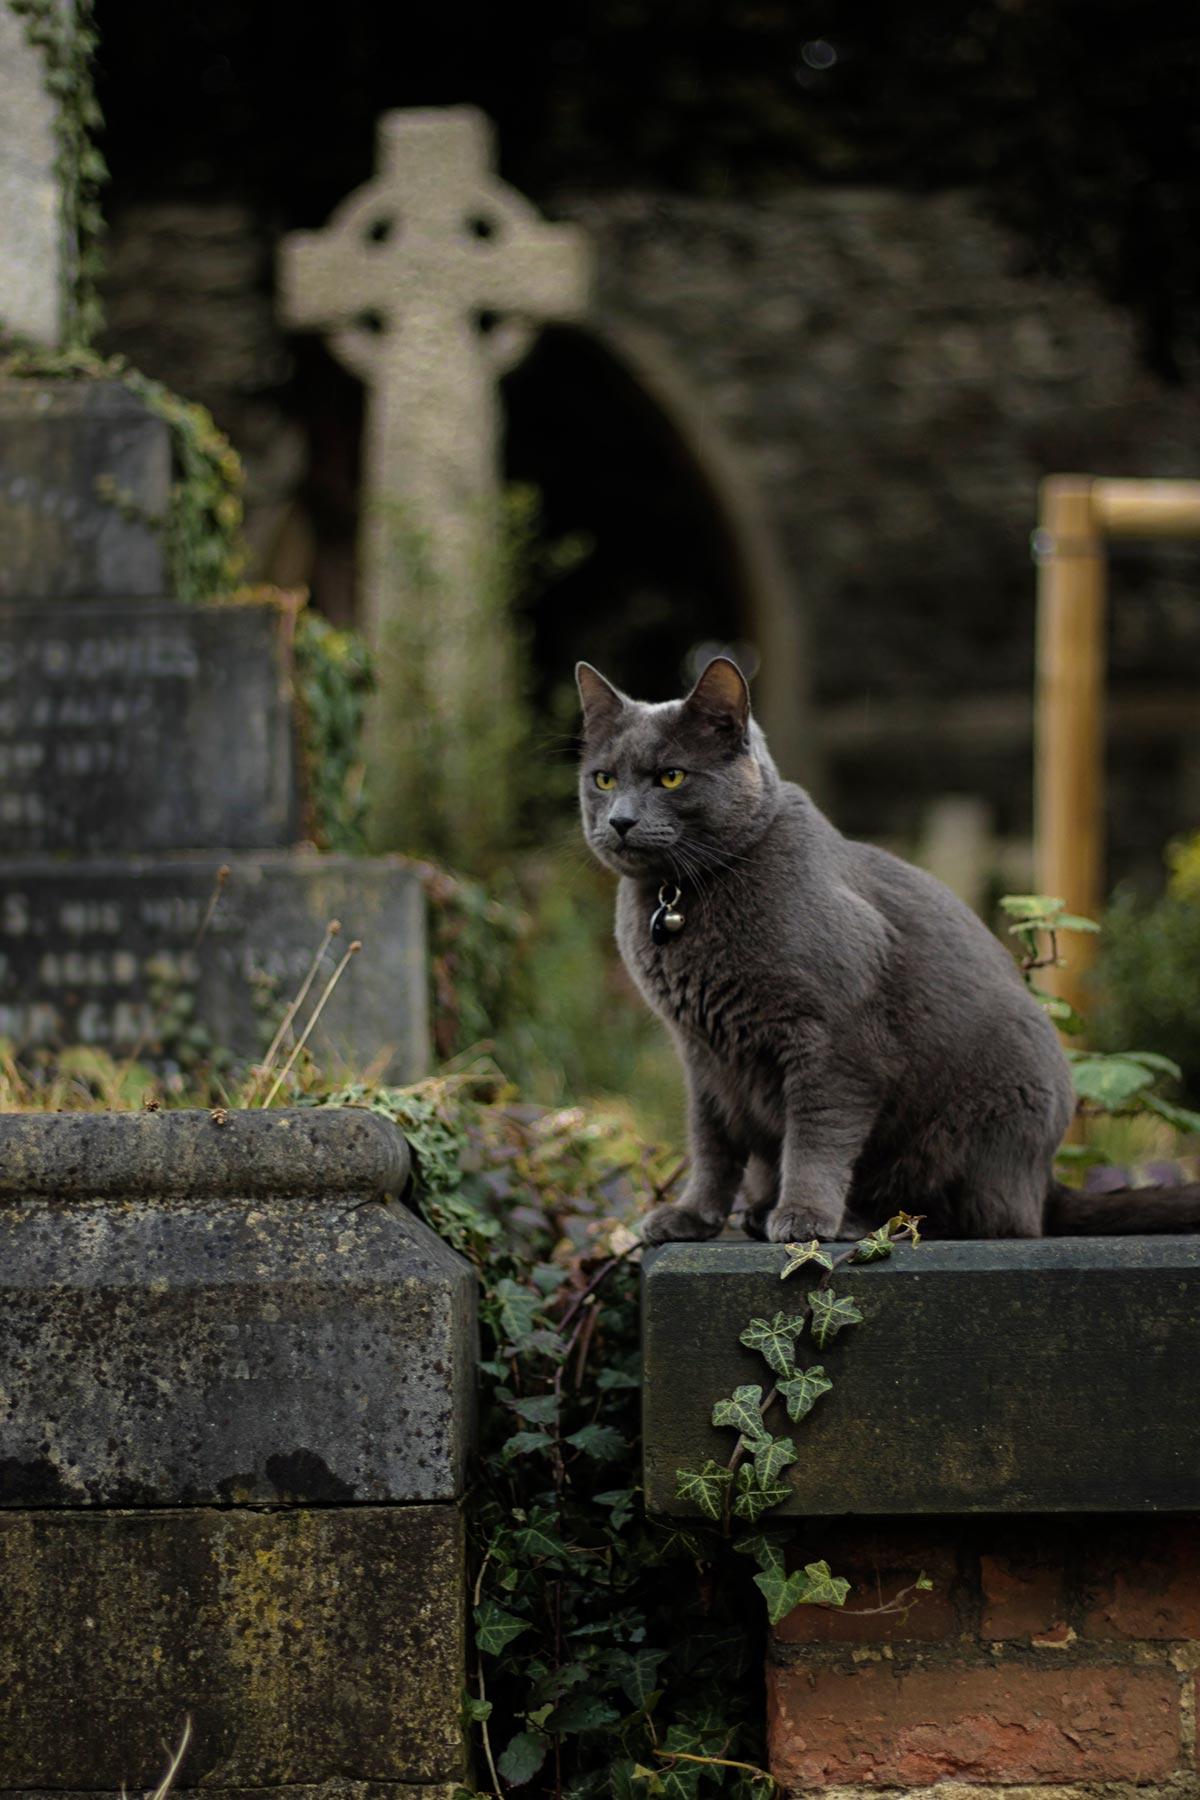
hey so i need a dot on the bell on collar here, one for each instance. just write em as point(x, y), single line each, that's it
point(666, 919)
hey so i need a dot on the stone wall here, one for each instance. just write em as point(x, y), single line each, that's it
point(895, 386)
point(1051, 1655)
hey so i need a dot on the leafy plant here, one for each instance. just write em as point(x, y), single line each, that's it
point(1148, 977)
point(749, 1485)
point(1121, 1083)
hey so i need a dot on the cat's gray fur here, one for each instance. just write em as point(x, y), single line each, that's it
point(856, 1042)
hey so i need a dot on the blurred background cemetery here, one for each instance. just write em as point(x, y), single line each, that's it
point(799, 305)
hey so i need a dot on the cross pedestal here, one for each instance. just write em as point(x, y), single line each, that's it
point(430, 282)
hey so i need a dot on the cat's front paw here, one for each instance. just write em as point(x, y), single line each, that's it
point(674, 1223)
point(800, 1224)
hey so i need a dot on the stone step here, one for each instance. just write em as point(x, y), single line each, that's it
point(116, 953)
point(130, 724)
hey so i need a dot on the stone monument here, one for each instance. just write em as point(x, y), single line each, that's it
point(30, 291)
point(431, 281)
point(146, 745)
point(239, 1382)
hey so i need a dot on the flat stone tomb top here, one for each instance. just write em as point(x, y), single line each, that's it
point(196, 1347)
point(85, 477)
point(145, 725)
point(116, 953)
point(1026, 1376)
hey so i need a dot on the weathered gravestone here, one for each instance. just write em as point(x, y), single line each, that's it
point(431, 281)
point(146, 745)
point(238, 1380)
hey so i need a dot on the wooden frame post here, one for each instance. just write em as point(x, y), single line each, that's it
point(1078, 513)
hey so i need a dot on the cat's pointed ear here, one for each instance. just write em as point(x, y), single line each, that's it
point(721, 698)
point(602, 702)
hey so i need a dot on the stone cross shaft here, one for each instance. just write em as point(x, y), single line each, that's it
point(430, 281)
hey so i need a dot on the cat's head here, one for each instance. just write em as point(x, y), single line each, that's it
point(674, 789)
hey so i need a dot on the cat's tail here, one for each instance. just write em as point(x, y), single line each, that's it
point(1122, 1212)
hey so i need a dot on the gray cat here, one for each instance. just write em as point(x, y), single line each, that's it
point(855, 1041)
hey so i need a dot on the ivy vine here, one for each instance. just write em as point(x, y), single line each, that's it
point(65, 33)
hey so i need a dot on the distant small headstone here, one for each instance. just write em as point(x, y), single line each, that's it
point(30, 226)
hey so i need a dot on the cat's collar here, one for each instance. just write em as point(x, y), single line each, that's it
point(666, 921)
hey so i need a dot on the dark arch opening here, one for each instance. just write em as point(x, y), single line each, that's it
point(663, 575)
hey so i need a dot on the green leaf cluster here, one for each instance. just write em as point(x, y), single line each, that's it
point(600, 1637)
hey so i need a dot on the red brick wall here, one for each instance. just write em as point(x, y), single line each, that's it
point(1050, 1653)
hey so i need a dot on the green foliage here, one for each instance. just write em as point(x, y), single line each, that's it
point(333, 679)
point(749, 1486)
point(1148, 978)
point(465, 783)
point(602, 1640)
point(65, 32)
point(1121, 1082)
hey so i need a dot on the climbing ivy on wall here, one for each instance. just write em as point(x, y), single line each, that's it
point(65, 33)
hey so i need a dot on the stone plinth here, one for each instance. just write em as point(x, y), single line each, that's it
point(146, 725)
point(1025, 1377)
point(107, 953)
point(85, 476)
point(221, 1336)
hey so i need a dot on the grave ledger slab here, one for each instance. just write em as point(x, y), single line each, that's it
point(239, 1378)
point(116, 952)
point(144, 725)
point(1044, 1375)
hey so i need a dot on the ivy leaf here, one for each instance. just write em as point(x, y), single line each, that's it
point(766, 1547)
point(771, 1457)
point(681, 1780)
point(802, 1392)
point(743, 1412)
point(775, 1341)
point(874, 1247)
point(703, 1489)
point(899, 1221)
point(583, 1712)
point(476, 1711)
point(638, 1678)
point(753, 1497)
point(523, 1757)
point(494, 1628)
point(535, 1540)
point(831, 1313)
point(799, 1254)
point(822, 1587)
point(603, 1442)
point(781, 1591)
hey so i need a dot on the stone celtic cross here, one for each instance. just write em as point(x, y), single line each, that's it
point(430, 281)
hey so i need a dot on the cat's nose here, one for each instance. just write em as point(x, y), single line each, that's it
point(622, 822)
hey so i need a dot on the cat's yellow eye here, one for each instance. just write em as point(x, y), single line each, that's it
point(671, 778)
point(604, 781)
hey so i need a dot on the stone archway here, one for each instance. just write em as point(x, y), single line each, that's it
point(623, 451)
